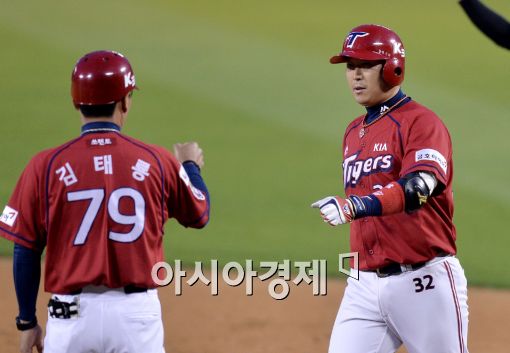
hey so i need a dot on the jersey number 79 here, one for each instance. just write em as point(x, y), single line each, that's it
point(96, 197)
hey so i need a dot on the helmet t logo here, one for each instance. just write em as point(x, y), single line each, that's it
point(351, 38)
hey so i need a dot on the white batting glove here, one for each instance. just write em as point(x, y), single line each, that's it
point(335, 210)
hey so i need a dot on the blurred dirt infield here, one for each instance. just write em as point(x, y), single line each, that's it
point(232, 322)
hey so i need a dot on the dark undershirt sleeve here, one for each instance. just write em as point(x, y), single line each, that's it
point(489, 22)
point(193, 171)
point(27, 274)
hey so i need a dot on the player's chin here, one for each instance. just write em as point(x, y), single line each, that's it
point(361, 98)
point(363, 102)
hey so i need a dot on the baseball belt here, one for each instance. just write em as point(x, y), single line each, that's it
point(66, 310)
point(129, 289)
point(395, 268)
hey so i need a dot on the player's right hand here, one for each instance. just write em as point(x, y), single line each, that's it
point(31, 338)
point(335, 210)
point(189, 151)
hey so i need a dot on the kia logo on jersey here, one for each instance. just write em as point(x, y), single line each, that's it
point(355, 169)
point(351, 38)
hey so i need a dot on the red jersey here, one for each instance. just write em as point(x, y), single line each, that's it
point(98, 205)
point(407, 139)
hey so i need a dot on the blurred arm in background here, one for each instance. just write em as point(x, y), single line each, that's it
point(489, 22)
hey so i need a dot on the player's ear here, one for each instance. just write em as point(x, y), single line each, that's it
point(125, 103)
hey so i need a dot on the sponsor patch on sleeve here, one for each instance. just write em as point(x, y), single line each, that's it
point(197, 193)
point(184, 176)
point(429, 154)
point(9, 216)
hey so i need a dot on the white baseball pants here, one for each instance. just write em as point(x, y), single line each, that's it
point(426, 310)
point(108, 322)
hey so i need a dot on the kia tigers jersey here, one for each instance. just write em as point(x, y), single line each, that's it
point(98, 205)
point(407, 139)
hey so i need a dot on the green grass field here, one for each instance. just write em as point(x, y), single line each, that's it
point(250, 80)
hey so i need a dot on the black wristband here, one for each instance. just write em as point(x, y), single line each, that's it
point(26, 326)
point(193, 162)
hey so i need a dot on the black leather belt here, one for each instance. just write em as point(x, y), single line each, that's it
point(134, 289)
point(129, 289)
point(396, 268)
point(66, 310)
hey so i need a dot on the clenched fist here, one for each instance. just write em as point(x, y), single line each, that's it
point(189, 151)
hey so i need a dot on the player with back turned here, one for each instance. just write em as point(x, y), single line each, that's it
point(98, 205)
point(397, 174)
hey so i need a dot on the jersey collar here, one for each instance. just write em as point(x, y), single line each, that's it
point(375, 111)
point(99, 126)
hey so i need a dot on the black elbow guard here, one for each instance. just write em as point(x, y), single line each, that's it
point(416, 191)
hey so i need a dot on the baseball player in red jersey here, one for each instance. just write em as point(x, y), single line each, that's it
point(98, 205)
point(397, 173)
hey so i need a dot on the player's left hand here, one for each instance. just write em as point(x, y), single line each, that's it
point(335, 210)
point(31, 338)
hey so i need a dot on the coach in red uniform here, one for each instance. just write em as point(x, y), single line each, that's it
point(397, 174)
point(98, 205)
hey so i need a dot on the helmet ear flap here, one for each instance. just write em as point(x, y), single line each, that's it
point(393, 72)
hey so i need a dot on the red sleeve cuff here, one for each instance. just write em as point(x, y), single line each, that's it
point(19, 239)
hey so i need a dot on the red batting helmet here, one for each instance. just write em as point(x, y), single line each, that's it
point(101, 77)
point(374, 42)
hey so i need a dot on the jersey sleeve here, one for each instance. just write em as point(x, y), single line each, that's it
point(428, 148)
point(22, 220)
point(186, 203)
